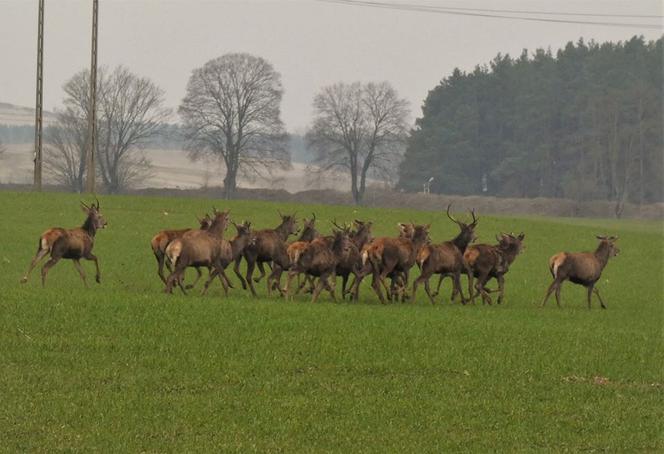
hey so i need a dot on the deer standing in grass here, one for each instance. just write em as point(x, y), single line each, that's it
point(74, 244)
point(200, 248)
point(446, 259)
point(268, 245)
point(162, 239)
point(583, 268)
point(487, 261)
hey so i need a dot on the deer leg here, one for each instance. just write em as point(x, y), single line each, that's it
point(501, 288)
point(375, 284)
point(344, 281)
point(457, 285)
point(599, 297)
point(209, 280)
point(198, 277)
point(161, 258)
point(93, 257)
point(589, 294)
point(440, 282)
point(250, 270)
point(558, 294)
point(318, 289)
point(223, 278)
point(262, 270)
point(550, 290)
point(41, 253)
point(331, 283)
point(236, 269)
point(79, 268)
point(289, 281)
point(424, 277)
point(47, 266)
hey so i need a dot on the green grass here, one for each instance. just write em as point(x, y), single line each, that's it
point(123, 367)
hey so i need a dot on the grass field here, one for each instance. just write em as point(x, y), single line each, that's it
point(123, 367)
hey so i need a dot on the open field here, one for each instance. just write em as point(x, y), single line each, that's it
point(123, 367)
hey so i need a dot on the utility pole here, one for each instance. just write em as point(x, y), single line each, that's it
point(92, 108)
point(37, 181)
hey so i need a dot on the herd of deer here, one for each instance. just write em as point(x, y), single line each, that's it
point(349, 251)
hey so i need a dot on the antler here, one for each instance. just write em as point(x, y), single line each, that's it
point(313, 217)
point(334, 223)
point(84, 205)
point(450, 216)
point(472, 213)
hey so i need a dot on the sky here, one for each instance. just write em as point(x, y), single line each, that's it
point(311, 43)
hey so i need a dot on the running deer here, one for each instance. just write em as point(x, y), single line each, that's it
point(241, 240)
point(320, 260)
point(268, 245)
point(487, 261)
point(394, 257)
point(294, 250)
point(74, 244)
point(162, 239)
point(200, 248)
point(446, 259)
point(583, 268)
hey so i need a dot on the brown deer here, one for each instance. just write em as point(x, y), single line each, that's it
point(391, 256)
point(161, 240)
point(200, 248)
point(74, 244)
point(320, 260)
point(351, 262)
point(487, 261)
point(294, 250)
point(583, 268)
point(446, 259)
point(269, 245)
point(241, 240)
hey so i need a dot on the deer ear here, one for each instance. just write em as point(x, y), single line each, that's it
point(85, 208)
point(521, 236)
point(600, 237)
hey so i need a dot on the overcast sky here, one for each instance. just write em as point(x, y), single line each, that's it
point(310, 43)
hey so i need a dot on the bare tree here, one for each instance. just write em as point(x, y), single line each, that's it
point(232, 111)
point(130, 111)
point(360, 129)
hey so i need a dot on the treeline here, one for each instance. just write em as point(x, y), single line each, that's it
point(585, 124)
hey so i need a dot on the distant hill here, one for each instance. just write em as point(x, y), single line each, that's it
point(13, 115)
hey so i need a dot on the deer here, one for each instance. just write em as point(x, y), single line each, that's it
point(406, 231)
point(446, 259)
point(487, 261)
point(161, 240)
point(583, 268)
point(241, 240)
point(200, 248)
point(73, 244)
point(268, 245)
point(294, 250)
point(320, 259)
point(394, 257)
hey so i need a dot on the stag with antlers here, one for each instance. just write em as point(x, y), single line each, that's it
point(446, 259)
point(74, 244)
point(583, 268)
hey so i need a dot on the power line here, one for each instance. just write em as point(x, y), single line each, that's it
point(487, 14)
point(516, 11)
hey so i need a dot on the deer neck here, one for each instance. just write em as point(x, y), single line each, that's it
point(238, 244)
point(282, 231)
point(89, 227)
point(602, 254)
point(461, 242)
point(217, 228)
